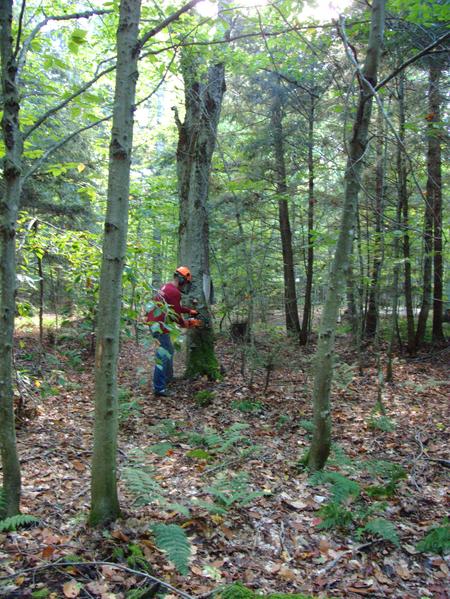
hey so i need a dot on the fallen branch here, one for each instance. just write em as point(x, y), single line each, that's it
point(95, 563)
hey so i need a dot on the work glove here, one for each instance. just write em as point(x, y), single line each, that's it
point(193, 323)
point(193, 312)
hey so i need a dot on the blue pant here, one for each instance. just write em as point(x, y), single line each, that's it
point(163, 372)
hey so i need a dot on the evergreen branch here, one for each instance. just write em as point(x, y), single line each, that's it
point(411, 60)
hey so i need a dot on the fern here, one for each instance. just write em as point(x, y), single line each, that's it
point(335, 516)
point(237, 591)
point(14, 522)
point(172, 539)
point(307, 425)
point(381, 527)
point(235, 490)
point(141, 484)
point(437, 540)
point(342, 487)
point(382, 423)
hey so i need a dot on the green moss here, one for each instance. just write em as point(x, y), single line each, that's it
point(201, 358)
point(239, 591)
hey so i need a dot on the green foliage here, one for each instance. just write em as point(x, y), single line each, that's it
point(389, 472)
point(129, 407)
point(204, 398)
point(133, 556)
point(15, 522)
point(342, 488)
point(437, 540)
point(307, 425)
point(380, 527)
point(232, 491)
point(238, 591)
point(172, 539)
point(199, 454)
point(381, 423)
point(41, 593)
point(247, 405)
point(140, 482)
point(335, 515)
point(161, 449)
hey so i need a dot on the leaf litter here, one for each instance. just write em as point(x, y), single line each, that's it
point(271, 542)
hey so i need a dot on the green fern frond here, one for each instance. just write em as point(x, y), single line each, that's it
point(335, 515)
point(307, 425)
point(342, 487)
point(14, 522)
point(234, 490)
point(381, 527)
point(172, 539)
point(141, 484)
point(237, 591)
point(437, 540)
point(212, 508)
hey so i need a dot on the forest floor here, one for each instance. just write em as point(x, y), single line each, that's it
point(269, 533)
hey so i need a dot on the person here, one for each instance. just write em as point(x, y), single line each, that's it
point(167, 309)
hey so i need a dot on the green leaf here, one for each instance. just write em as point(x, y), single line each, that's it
point(172, 539)
point(161, 449)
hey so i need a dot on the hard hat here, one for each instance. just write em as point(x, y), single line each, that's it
point(183, 271)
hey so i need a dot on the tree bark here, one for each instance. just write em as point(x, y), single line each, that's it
point(104, 501)
point(306, 321)
point(403, 199)
point(9, 206)
point(196, 143)
point(435, 174)
point(290, 296)
point(373, 300)
point(321, 441)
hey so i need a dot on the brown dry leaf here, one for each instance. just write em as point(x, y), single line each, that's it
point(47, 552)
point(402, 571)
point(287, 574)
point(324, 546)
point(79, 466)
point(118, 534)
point(71, 588)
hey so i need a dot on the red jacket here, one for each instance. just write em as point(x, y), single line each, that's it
point(169, 296)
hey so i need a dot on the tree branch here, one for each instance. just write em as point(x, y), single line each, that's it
point(403, 66)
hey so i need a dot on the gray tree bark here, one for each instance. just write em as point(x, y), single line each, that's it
point(9, 206)
point(196, 143)
point(104, 499)
point(321, 441)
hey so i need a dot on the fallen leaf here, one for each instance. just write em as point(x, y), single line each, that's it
point(71, 588)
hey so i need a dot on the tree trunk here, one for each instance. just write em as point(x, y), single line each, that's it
point(196, 142)
point(306, 321)
point(9, 206)
point(403, 199)
point(321, 441)
point(104, 500)
point(290, 296)
point(434, 153)
point(433, 200)
point(373, 307)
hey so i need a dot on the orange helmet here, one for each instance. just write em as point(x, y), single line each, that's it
point(184, 273)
